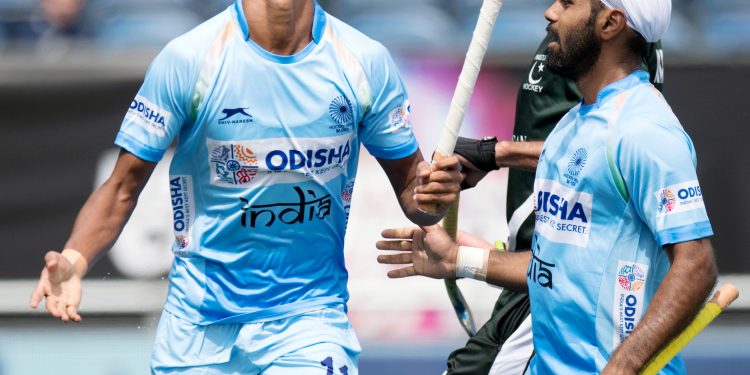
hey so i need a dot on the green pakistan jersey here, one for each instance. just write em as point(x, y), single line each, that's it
point(503, 345)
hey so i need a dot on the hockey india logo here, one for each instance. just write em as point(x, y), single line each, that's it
point(577, 162)
point(340, 110)
point(234, 164)
point(631, 277)
point(667, 201)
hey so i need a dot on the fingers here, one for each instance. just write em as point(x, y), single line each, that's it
point(443, 163)
point(406, 233)
point(42, 289)
point(443, 200)
point(402, 272)
point(443, 177)
point(403, 258)
point(403, 245)
point(73, 314)
point(50, 302)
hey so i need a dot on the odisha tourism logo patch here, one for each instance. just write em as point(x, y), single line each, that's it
point(667, 201)
point(234, 164)
point(340, 110)
point(346, 194)
point(577, 162)
point(631, 277)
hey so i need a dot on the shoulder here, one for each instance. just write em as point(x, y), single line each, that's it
point(645, 112)
point(367, 51)
point(189, 49)
point(647, 126)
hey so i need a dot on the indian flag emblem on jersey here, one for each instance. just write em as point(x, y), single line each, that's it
point(234, 164)
point(667, 201)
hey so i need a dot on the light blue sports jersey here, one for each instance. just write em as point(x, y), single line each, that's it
point(601, 222)
point(265, 161)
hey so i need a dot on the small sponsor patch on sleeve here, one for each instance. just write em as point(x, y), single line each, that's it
point(148, 115)
point(679, 198)
point(399, 118)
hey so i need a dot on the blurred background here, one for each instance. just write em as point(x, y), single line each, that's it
point(69, 69)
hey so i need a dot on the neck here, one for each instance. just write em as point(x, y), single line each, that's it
point(283, 27)
point(608, 69)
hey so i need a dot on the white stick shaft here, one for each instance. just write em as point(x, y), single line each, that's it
point(468, 78)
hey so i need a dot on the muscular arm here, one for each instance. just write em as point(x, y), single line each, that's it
point(520, 155)
point(508, 154)
point(441, 185)
point(681, 294)
point(98, 224)
point(507, 269)
point(105, 213)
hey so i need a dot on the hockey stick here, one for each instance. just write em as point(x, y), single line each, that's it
point(461, 96)
point(720, 301)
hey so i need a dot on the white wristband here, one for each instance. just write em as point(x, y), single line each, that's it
point(472, 262)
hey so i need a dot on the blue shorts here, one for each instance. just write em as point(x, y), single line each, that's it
point(317, 342)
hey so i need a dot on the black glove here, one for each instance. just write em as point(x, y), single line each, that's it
point(481, 153)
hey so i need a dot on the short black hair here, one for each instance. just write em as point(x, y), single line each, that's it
point(637, 44)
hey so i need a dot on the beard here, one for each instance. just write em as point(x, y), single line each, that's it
point(581, 52)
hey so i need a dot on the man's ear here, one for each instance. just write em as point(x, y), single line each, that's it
point(611, 23)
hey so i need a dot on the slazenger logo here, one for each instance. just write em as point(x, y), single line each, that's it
point(562, 214)
point(235, 116)
point(148, 115)
point(278, 160)
point(679, 198)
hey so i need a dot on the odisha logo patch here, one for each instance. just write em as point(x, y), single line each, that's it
point(667, 201)
point(577, 162)
point(346, 194)
point(234, 164)
point(631, 277)
point(340, 110)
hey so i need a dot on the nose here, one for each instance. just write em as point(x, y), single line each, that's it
point(551, 14)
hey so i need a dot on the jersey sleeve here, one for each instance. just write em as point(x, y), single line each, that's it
point(160, 108)
point(658, 166)
point(385, 129)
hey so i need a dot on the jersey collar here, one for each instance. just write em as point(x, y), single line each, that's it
point(636, 78)
point(318, 30)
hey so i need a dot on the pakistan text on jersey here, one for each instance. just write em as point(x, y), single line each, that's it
point(287, 213)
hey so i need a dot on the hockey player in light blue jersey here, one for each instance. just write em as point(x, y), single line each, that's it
point(268, 104)
point(620, 260)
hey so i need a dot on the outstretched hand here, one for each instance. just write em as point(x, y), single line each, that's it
point(60, 285)
point(428, 251)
